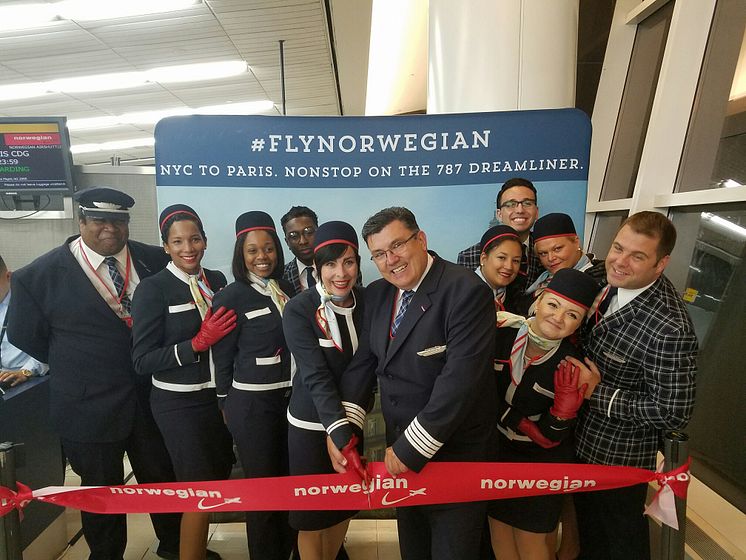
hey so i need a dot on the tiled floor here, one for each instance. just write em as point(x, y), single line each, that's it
point(367, 539)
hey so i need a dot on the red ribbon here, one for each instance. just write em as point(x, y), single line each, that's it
point(437, 483)
point(672, 483)
point(10, 500)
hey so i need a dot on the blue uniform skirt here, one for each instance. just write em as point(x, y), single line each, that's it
point(308, 455)
point(196, 437)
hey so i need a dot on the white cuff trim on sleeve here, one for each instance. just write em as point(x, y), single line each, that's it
point(334, 425)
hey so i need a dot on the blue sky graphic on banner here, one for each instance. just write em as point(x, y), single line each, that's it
point(446, 168)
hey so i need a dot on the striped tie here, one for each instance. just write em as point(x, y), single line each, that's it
point(406, 297)
point(116, 277)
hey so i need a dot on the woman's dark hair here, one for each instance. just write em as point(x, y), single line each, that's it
point(497, 242)
point(181, 216)
point(239, 268)
point(332, 252)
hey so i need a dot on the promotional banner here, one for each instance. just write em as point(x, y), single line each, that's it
point(447, 169)
point(437, 483)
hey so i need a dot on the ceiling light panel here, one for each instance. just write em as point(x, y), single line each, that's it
point(40, 14)
point(88, 10)
point(127, 80)
point(25, 16)
point(152, 117)
point(114, 145)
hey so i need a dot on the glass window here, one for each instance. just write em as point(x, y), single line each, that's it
point(708, 266)
point(604, 231)
point(715, 148)
point(637, 103)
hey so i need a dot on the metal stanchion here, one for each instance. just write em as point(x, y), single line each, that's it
point(675, 454)
point(10, 525)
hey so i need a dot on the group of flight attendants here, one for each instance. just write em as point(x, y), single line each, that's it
point(253, 364)
point(242, 363)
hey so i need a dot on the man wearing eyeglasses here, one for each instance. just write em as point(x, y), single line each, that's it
point(517, 207)
point(299, 225)
point(428, 338)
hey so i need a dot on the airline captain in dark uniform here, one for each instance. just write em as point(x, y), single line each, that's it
point(428, 337)
point(71, 309)
point(253, 372)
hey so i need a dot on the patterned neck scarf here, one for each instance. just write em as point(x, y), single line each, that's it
point(499, 292)
point(326, 318)
point(518, 360)
point(271, 288)
point(201, 293)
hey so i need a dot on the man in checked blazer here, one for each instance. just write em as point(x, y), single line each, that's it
point(641, 363)
point(433, 362)
point(299, 225)
point(68, 311)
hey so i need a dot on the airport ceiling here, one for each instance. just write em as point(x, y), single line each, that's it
point(208, 31)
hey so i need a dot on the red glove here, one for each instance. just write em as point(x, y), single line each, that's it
point(354, 460)
point(567, 396)
point(214, 327)
point(532, 430)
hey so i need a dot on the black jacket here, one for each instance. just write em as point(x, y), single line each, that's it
point(315, 397)
point(436, 377)
point(58, 317)
point(254, 353)
point(165, 321)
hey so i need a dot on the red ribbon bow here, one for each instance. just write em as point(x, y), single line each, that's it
point(10, 500)
point(672, 483)
point(677, 479)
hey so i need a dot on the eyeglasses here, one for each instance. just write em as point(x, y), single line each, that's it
point(305, 232)
point(528, 203)
point(397, 248)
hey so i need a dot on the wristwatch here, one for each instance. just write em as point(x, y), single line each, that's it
point(26, 372)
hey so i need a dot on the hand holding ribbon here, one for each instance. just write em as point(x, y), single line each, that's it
point(357, 463)
point(214, 327)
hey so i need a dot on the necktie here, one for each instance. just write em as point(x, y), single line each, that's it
point(603, 307)
point(197, 296)
point(310, 280)
point(116, 277)
point(524, 259)
point(604, 304)
point(406, 297)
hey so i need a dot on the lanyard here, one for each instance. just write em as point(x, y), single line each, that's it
point(117, 298)
point(2, 335)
